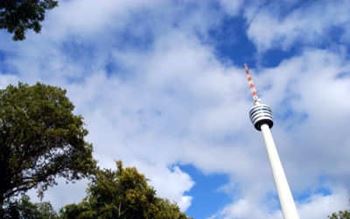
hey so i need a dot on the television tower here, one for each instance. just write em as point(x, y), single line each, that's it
point(261, 117)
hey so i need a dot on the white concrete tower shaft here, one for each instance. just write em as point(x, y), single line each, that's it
point(261, 116)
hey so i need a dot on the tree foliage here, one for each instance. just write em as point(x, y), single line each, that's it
point(25, 209)
point(340, 215)
point(122, 194)
point(16, 16)
point(40, 139)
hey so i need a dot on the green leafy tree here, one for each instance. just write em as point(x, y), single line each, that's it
point(40, 139)
point(25, 209)
point(16, 16)
point(340, 215)
point(122, 194)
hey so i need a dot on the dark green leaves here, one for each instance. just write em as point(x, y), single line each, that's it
point(340, 215)
point(40, 139)
point(122, 194)
point(17, 16)
point(25, 209)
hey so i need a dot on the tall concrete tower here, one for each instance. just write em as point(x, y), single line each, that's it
point(261, 117)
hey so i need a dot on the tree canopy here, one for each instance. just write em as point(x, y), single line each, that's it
point(25, 209)
point(122, 194)
point(17, 16)
point(40, 139)
point(340, 215)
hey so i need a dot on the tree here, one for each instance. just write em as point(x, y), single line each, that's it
point(121, 194)
point(25, 209)
point(19, 15)
point(40, 139)
point(340, 215)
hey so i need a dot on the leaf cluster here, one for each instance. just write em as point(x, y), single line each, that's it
point(25, 209)
point(19, 15)
point(340, 215)
point(40, 139)
point(122, 194)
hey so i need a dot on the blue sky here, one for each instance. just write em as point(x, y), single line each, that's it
point(160, 85)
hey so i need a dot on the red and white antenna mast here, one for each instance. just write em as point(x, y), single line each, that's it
point(261, 116)
point(251, 84)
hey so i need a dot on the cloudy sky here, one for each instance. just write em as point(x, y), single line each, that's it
point(161, 87)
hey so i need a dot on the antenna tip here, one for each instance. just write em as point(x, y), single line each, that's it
point(246, 66)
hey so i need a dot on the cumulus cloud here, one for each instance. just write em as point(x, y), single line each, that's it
point(232, 7)
point(320, 206)
point(317, 206)
point(153, 95)
point(308, 24)
point(143, 94)
point(308, 90)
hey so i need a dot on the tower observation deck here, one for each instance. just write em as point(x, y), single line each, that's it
point(261, 116)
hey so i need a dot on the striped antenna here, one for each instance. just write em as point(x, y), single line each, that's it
point(251, 84)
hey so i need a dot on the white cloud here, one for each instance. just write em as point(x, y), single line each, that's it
point(171, 183)
point(232, 7)
point(316, 207)
point(244, 209)
point(175, 103)
point(320, 206)
point(88, 18)
point(309, 86)
point(122, 115)
point(309, 24)
point(7, 79)
point(315, 146)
